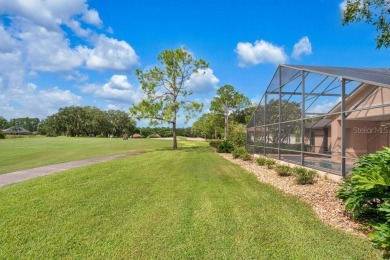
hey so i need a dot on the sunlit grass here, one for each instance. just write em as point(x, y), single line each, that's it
point(24, 153)
point(185, 204)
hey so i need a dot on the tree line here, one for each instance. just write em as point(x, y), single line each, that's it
point(30, 124)
point(87, 121)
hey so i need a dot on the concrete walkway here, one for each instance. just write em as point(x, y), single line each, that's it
point(19, 176)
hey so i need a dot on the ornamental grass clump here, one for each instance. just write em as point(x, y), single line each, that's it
point(246, 157)
point(270, 163)
point(261, 161)
point(283, 170)
point(238, 152)
point(304, 176)
point(242, 153)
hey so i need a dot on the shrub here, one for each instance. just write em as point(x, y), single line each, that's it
point(154, 136)
point(304, 176)
point(239, 151)
point(283, 170)
point(246, 157)
point(270, 163)
point(366, 194)
point(215, 142)
point(2, 134)
point(237, 135)
point(261, 161)
point(225, 147)
point(381, 237)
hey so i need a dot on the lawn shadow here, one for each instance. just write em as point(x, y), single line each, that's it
point(186, 148)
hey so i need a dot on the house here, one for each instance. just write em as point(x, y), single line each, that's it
point(338, 113)
point(16, 131)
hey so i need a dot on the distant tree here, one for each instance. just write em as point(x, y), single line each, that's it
point(290, 111)
point(3, 123)
point(166, 91)
point(375, 12)
point(228, 101)
point(87, 121)
point(120, 123)
point(209, 125)
point(243, 116)
point(30, 124)
point(203, 126)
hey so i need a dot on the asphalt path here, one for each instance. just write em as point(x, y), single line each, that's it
point(23, 175)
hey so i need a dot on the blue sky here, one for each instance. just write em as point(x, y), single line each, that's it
point(58, 53)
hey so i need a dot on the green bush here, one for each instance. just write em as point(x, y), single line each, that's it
point(366, 194)
point(270, 163)
point(261, 161)
point(246, 157)
point(2, 134)
point(304, 176)
point(225, 147)
point(283, 170)
point(381, 237)
point(237, 135)
point(239, 151)
point(215, 142)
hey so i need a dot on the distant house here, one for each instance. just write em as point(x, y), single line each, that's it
point(16, 131)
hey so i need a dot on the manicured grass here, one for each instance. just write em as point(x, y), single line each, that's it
point(185, 204)
point(23, 153)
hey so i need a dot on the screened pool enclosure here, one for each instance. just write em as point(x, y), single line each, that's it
point(322, 117)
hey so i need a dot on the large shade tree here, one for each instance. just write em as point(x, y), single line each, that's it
point(87, 121)
point(376, 12)
point(228, 101)
point(166, 92)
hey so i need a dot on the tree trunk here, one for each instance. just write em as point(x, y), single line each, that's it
point(174, 136)
point(226, 125)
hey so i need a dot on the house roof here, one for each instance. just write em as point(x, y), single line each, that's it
point(19, 130)
point(324, 122)
point(375, 76)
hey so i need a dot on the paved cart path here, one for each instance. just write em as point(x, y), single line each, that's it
point(19, 176)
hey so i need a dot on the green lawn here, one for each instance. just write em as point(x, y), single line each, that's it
point(23, 153)
point(185, 204)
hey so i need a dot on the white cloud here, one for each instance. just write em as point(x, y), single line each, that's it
point(325, 106)
point(303, 47)
point(48, 50)
point(343, 5)
point(48, 101)
point(109, 54)
point(261, 52)
point(76, 76)
point(38, 32)
point(110, 30)
point(7, 43)
point(92, 17)
point(27, 100)
point(50, 13)
point(202, 82)
point(112, 107)
point(77, 28)
point(117, 89)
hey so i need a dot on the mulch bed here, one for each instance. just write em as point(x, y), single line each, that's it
point(321, 196)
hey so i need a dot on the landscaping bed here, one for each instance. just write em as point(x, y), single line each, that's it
point(321, 196)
